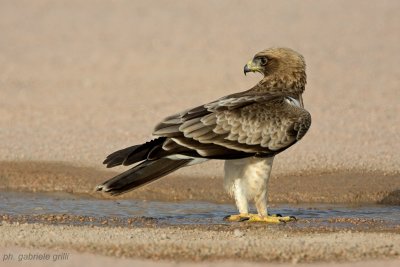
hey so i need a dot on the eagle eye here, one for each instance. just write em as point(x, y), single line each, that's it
point(263, 61)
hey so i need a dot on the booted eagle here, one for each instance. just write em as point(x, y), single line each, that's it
point(245, 129)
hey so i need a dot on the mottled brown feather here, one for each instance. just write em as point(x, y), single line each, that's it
point(258, 124)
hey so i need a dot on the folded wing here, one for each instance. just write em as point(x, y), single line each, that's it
point(235, 126)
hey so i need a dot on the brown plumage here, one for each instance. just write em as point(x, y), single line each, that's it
point(260, 122)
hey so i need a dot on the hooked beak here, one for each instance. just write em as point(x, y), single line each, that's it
point(246, 69)
point(251, 67)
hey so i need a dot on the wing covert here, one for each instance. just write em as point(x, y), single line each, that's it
point(249, 124)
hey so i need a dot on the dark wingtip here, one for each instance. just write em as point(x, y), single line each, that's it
point(105, 189)
point(111, 165)
point(112, 161)
point(108, 160)
point(99, 187)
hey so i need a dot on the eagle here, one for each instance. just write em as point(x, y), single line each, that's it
point(245, 129)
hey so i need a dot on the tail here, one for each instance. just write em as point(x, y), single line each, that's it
point(141, 174)
point(133, 154)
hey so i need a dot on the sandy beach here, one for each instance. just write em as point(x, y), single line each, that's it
point(255, 243)
point(79, 82)
point(81, 79)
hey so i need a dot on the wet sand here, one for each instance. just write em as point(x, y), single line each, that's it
point(338, 187)
point(314, 241)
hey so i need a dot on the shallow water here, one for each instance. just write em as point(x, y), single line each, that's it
point(23, 203)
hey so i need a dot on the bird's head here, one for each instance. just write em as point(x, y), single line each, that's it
point(281, 64)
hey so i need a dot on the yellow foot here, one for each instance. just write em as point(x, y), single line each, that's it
point(276, 218)
point(238, 217)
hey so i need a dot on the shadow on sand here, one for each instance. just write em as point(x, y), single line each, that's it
point(393, 198)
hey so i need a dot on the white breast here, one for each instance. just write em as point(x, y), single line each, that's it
point(250, 173)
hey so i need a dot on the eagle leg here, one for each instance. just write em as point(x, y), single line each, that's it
point(263, 215)
point(249, 177)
